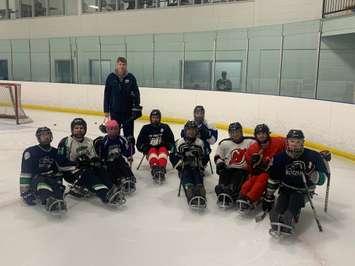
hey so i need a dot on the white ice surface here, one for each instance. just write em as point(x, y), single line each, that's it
point(156, 227)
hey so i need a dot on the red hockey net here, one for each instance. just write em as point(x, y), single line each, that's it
point(10, 103)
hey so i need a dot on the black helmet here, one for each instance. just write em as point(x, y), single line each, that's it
point(78, 121)
point(191, 125)
point(155, 112)
point(41, 130)
point(295, 149)
point(261, 128)
point(235, 126)
point(295, 134)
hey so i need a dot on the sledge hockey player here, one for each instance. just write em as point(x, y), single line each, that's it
point(80, 149)
point(187, 159)
point(155, 140)
point(41, 179)
point(115, 153)
point(258, 156)
point(288, 173)
point(206, 133)
point(231, 165)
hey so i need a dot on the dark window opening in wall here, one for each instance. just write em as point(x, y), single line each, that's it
point(90, 6)
point(63, 71)
point(228, 75)
point(40, 8)
point(13, 9)
point(26, 8)
point(3, 10)
point(108, 5)
point(4, 72)
point(95, 70)
point(197, 75)
point(55, 7)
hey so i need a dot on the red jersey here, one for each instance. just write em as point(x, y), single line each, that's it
point(275, 146)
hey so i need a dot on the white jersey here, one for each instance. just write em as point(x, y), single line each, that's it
point(75, 149)
point(232, 153)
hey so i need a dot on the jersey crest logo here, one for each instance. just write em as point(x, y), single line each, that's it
point(27, 155)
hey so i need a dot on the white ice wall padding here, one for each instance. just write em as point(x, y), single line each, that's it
point(324, 122)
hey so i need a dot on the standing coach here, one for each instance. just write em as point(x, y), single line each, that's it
point(122, 98)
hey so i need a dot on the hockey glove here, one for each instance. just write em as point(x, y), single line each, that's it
point(144, 149)
point(136, 112)
point(102, 128)
point(204, 132)
point(220, 167)
point(29, 198)
point(326, 155)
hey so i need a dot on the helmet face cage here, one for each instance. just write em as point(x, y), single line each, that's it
point(262, 128)
point(294, 147)
point(44, 131)
point(235, 131)
point(191, 130)
point(78, 132)
point(113, 128)
point(295, 143)
point(155, 114)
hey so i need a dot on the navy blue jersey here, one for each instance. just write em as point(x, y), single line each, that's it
point(39, 161)
point(121, 95)
point(285, 171)
point(111, 149)
point(155, 136)
point(207, 133)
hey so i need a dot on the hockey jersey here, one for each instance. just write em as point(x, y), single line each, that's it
point(155, 136)
point(233, 153)
point(39, 161)
point(188, 154)
point(207, 133)
point(111, 149)
point(284, 171)
point(275, 146)
point(75, 150)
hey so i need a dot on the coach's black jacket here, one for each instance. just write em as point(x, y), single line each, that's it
point(121, 95)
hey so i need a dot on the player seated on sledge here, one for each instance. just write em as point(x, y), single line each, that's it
point(295, 172)
point(187, 159)
point(258, 157)
point(231, 165)
point(206, 132)
point(80, 149)
point(155, 140)
point(41, 179)
point(115, 153)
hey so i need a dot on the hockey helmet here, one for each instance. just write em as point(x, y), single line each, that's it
point(191, 130)
point(155, 113)
point(235, 131)
point(199, 114)
point(79, 132)
point(112, 128)
point(295, 143)
point(44, 131)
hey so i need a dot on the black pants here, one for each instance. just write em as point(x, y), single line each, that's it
point(230, 182)
point(191, 175)
point(47, 186)
point(126, 123)
point(288, 205)
point(118, 170)
point(93, 180)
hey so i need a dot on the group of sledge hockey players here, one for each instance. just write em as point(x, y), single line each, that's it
point(250, 169)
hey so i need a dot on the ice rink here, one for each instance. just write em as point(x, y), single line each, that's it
point(156, 227)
